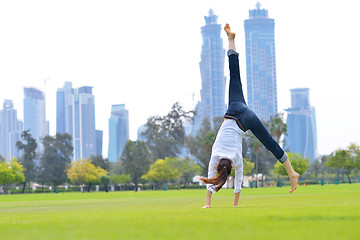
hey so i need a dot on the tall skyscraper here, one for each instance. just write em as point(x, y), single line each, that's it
point(213, 81)
point(84, 133)
point(10, 130)
point(64, 109)
point(260, 63)
point(75, 115)
point(99, 142)
point(118, 131)
point(35, 115)
point(301, 131)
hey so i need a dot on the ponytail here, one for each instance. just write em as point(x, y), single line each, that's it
point(223, 170)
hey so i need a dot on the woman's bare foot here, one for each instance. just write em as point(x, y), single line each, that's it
point(228, 31)
point(207, 206)
point(294, 182)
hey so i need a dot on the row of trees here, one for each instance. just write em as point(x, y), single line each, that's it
point(340, 164)
point(172, 169)
point(157, 160)
point(162, 132)
point(52, 167)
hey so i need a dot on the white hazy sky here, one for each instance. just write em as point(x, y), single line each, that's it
point(146, 53)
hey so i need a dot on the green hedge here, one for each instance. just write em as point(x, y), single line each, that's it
point(45, 190)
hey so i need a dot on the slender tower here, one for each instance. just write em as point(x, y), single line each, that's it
point(118, 131)
point(10, 130)
point(84, 132)
point(213, 81)
point(260, 63)
point(64, 109)
point(301, 121)
point(34, 115)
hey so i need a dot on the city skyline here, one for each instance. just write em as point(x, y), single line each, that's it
point(103, 44)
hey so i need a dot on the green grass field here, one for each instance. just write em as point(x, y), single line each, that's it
point(312, 212)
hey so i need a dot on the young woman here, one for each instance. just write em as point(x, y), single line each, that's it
point(227, 149)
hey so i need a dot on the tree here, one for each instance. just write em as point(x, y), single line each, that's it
point(12, 172)
point(161, 172)
point(188, 170)
point(165, 135)
point(28, 156)
point(355, 155)
point(105, 180)
point(316, 167)
point(322, 160)
point(116, 168)
point(176, 168)
point(256, 145)
point(248, 166)
point(182, 169)
point(57, 154)
point(345, 159)
point(168, 169)
point(120, 179)
point(277, 126)
point(340, 159)
point(299, 164)
point(99, 161)
point(200, 146)
point(84, 172)
point(136, 159)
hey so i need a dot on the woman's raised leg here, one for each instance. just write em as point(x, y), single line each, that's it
point(261, 133)
point(235, 86)
point(231, 37)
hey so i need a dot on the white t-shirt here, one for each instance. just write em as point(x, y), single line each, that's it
point(228, 144)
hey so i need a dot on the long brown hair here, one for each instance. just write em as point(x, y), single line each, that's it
point(223, 170)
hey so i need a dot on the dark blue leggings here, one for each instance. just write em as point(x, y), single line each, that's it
point(245, 118)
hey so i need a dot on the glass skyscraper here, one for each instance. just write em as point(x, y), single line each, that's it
point(85, 133)
point(75, 115)
point(35, 115)
point(99, 142)
point(118, 131)
point(64, 109)
point(10, 131)
point(260, 63)
point(213, 81)
point(301, 131)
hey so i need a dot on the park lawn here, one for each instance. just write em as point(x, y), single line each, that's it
point(311, 212)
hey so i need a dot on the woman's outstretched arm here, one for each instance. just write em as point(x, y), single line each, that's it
point(236, 199)
point(208, 199)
